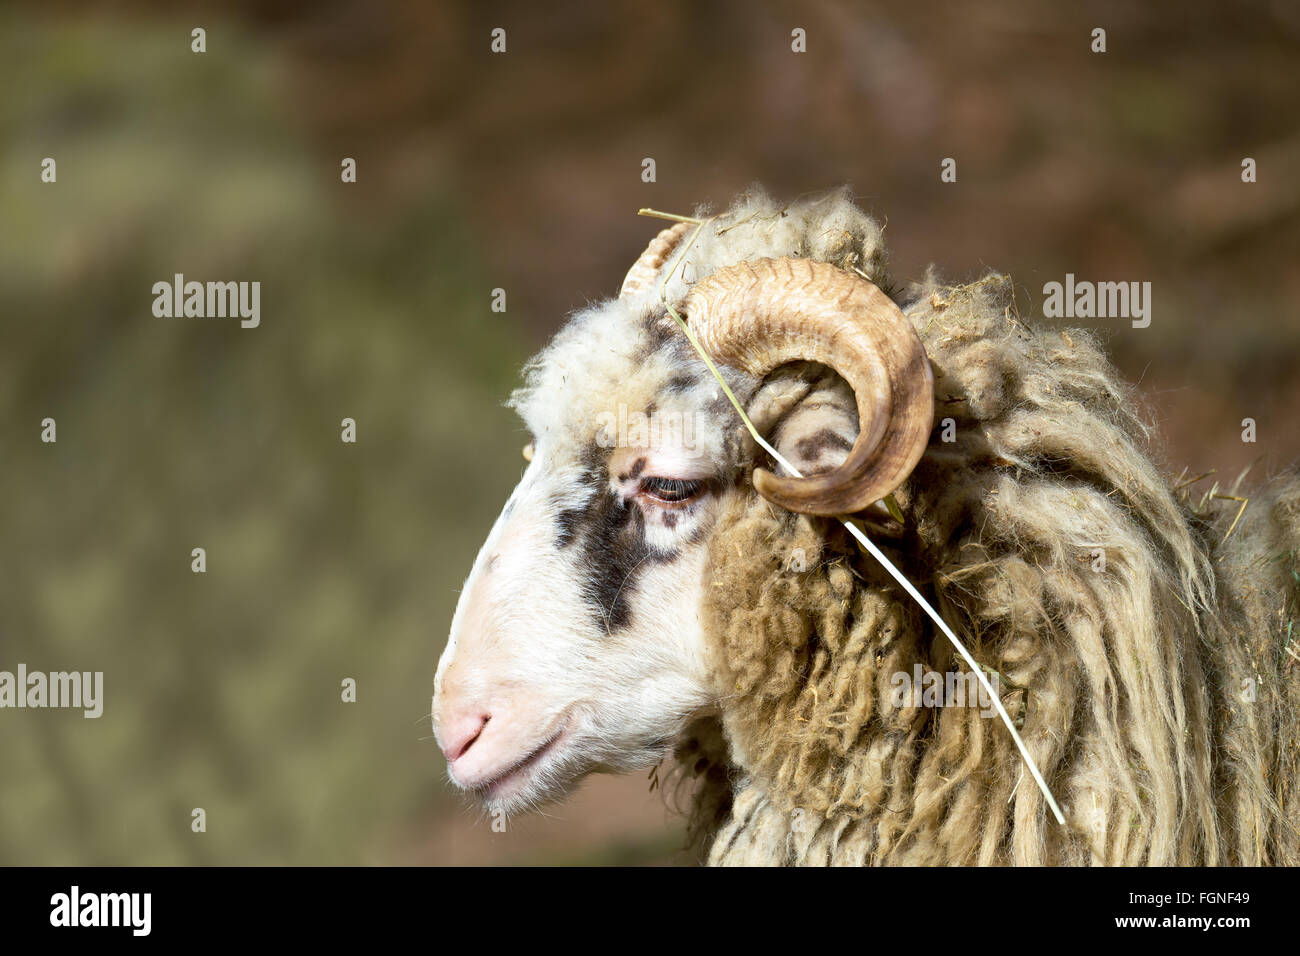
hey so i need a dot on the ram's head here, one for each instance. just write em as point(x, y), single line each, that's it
point(578, 643)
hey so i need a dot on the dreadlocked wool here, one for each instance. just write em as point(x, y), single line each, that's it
point(1143, 656)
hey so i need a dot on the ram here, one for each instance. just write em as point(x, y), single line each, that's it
point(646, 599)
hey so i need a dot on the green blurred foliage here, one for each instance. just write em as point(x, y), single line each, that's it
point(325, 560)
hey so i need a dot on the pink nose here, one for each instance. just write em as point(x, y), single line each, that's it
point(460, 731)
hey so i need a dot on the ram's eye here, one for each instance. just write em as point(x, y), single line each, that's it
point(671, 490)
point(528, 452)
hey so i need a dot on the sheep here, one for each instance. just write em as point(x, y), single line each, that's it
point(651, 594)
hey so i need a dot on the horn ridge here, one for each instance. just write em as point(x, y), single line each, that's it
point(756, 316)
point(643, 271)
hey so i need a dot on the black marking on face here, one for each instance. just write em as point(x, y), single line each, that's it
point(634, 472)
point(569, 520)
point(569, 524)
point(613, 553)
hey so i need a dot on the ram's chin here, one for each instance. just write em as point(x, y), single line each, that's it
point(528, 788)
point(547, 773)
point(553, 774)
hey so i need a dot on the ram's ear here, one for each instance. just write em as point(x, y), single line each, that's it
point(809, 414)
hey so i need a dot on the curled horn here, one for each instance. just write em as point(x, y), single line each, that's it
point(643, 272)
point(756, 316)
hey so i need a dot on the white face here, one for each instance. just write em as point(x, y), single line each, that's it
point(577, 645)
point(577, 642)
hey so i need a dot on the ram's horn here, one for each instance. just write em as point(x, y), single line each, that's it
point(643, 273)
point(759, 315)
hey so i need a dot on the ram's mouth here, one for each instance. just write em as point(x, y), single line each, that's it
point(508, 782)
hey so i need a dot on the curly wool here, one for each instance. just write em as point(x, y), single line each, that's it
point(1154, 693)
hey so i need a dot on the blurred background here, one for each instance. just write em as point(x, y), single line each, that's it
point(520, 171)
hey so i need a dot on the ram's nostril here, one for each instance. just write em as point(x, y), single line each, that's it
point(461, 734)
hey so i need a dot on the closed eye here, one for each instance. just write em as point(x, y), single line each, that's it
point(671, 490)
